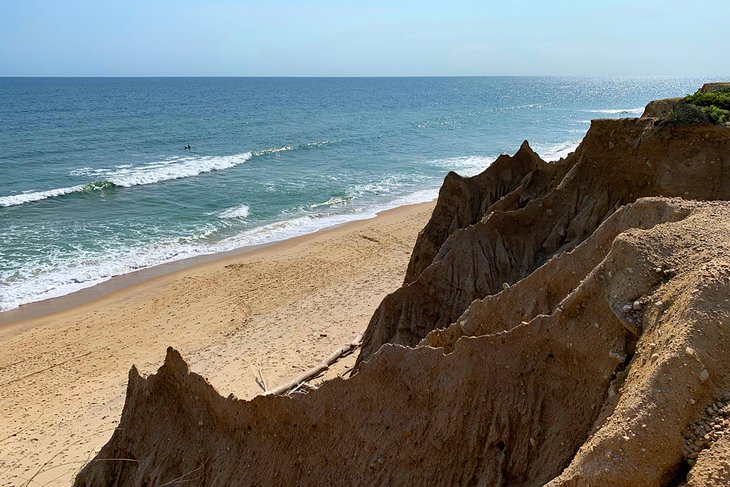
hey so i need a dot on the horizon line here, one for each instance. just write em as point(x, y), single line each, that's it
point(379, 76)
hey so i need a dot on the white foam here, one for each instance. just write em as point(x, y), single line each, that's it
point(553, 152)
point(387, 185)
point(320, 143)
point(64, 274)
point(466, 166)
point(178, 168)
point(334, 201)
point(614, 111)
point(310, 223)
point(22, 198)
point(240, 211)
point(128, 176)
point(275, 150)
point(282, 230)
point(415, 198)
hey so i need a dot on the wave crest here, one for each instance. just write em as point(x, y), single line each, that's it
point(615, 111)
point(554, 152)
point(22, 198)
point(334, 201)
point(172, 169)
point(240, 211)
point(99, 186)
point(128, 176)
point(275, 150)
point(465, 165)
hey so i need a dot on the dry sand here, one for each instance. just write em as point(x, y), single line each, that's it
point(276, 311)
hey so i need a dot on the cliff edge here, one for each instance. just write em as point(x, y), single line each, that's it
point(560, 323)
point(551, 212)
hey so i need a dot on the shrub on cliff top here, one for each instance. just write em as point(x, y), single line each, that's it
point(720, 99)
point(717, 115)
point(684, 112)
point(703, 107)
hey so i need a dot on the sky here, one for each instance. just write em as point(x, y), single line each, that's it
point(363, 38)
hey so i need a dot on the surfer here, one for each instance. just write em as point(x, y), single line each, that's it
point(187, 147)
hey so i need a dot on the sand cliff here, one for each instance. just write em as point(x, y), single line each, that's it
point(561, 323)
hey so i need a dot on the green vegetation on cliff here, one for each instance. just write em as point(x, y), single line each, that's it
point(712, 107)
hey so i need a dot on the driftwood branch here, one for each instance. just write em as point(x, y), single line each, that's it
point(315, 371)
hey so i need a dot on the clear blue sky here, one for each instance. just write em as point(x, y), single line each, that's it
point(363, 38)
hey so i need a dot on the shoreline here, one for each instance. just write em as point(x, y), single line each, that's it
point(85, 292)
point(244, 318)
point(13, 321)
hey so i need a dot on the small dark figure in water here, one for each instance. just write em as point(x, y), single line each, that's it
point(187, 147)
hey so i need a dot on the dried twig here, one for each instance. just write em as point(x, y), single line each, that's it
point(259, 379)
point(262, 381)
point(182, 479)
point(346, 371)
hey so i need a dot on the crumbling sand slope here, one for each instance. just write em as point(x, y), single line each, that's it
point(603, 362)
point(617, 162)
point(568, 393)
point(465, 201)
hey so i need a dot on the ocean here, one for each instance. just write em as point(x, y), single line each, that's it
point(95, 179)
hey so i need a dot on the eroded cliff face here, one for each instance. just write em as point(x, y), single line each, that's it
point(569, 394)
point(603, 362)
point(617, 162)
point(465, 201)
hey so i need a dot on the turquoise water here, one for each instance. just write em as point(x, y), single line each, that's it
point(95, 182)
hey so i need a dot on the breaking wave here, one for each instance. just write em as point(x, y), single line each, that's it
point(240, 211)
point(615, 111)
point(127, 176)
point(553, 152)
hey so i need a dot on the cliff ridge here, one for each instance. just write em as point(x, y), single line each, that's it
point(559, 323)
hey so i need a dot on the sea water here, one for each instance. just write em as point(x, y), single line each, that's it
point(95, 179)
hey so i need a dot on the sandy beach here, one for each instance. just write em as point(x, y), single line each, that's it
point(271, 313)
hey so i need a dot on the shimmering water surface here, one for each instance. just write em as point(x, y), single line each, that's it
point(95, 182)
